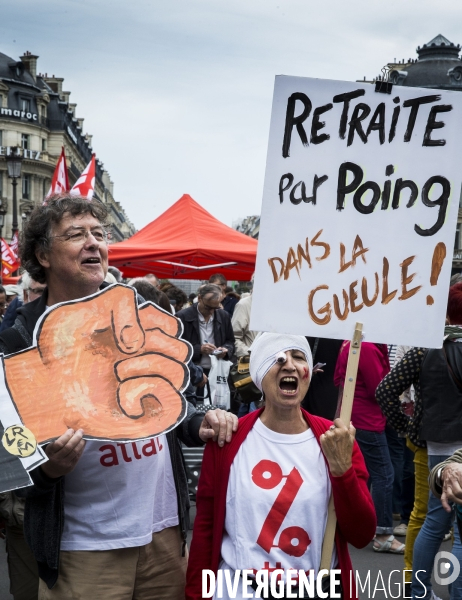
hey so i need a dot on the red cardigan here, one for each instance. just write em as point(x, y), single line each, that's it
point(356, 520)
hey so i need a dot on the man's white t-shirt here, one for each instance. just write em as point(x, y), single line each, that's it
point(118, 495)
point(276, 503)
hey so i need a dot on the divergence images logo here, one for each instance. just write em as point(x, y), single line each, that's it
point(443, 562)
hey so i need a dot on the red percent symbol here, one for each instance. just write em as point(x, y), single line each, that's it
point(267, 475)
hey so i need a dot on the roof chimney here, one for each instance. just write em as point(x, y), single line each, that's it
point(30, 63)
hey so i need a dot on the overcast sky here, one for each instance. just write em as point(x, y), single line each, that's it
point(177, 94)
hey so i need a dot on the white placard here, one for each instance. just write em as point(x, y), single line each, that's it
point(359, 211)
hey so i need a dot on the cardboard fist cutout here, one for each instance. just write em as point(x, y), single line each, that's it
point(102, 364)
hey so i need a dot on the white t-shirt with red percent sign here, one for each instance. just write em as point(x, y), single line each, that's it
point(118, 495)
point(276, 503)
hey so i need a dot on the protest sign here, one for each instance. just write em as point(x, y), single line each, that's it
point(359, 211)
point(101, 364)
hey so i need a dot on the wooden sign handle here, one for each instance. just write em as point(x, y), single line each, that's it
point(345, 416)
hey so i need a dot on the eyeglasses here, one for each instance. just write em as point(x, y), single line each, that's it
point(207, 306)
point(79, 236)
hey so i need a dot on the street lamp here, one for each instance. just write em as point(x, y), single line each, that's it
point(14, 163)
point(2, 220)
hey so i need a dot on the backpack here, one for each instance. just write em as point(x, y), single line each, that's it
point(240, 376)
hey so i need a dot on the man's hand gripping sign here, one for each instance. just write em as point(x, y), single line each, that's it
point(103, 365)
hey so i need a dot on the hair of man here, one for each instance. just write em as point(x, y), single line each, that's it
point(210, 288)
point(116, 273)
point(145, 289)
point(177, 297)
point(36, 235)
point(218, 279)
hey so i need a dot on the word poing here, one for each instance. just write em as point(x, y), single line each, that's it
point(389, 195)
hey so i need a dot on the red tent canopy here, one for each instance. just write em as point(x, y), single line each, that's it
point(186, 242)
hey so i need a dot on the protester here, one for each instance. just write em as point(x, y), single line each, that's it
point(12, 291)
point(370, 435)
point(219, 280)
point(435, 426)
point(31, 290)
point(322, 396)
point(176, 297)
point(235, 527)
point(402, 458)
point(243, 339)
point(446, 482)
point(153, 279)
point(118, 275)
point(151, 293)
point(101, 530)
point(208, 328)
point(230, 300)
point(240, 321)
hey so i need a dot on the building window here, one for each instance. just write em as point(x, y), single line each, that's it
point(457, 239)
point(25, 141)
point(1, 137)
point(25, 104)
point(44, 144)
point(26, 186)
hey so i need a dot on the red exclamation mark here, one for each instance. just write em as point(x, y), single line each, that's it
point(439, 254)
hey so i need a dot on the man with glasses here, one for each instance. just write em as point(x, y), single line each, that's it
point(104, 521)
point(31, 290)
point(207, 327)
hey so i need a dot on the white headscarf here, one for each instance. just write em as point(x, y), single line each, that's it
point(266, 348)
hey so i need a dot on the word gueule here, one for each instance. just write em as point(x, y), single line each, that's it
point(358, 294)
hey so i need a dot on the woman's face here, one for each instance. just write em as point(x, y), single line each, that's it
point(285, 385)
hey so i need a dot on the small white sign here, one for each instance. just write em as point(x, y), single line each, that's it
point(359, 211)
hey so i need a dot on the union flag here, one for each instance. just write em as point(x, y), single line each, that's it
point(60, 181)
point(85, 184)
point(9, 260)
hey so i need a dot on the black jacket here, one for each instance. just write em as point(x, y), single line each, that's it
point(44, 513)
point(222, 330)
point(441, 390)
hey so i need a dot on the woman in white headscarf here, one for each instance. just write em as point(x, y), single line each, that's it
point(262, 499)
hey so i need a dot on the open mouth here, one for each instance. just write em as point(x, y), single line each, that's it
point(289, 385)
point(91, 261)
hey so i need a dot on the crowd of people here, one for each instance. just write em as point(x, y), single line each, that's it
point(90, 528)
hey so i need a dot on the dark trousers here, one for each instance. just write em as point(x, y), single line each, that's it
point(402, 459)
point(374, 448)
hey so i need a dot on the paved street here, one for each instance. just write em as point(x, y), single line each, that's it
point(363, 561)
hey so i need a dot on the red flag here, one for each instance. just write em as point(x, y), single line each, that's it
point(9, 261)
point(85, 184)
point(60, 181)
point(14, 244)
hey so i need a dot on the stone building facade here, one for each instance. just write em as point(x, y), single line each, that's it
point(37, 115)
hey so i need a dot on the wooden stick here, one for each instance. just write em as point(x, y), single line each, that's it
point(345, 416)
